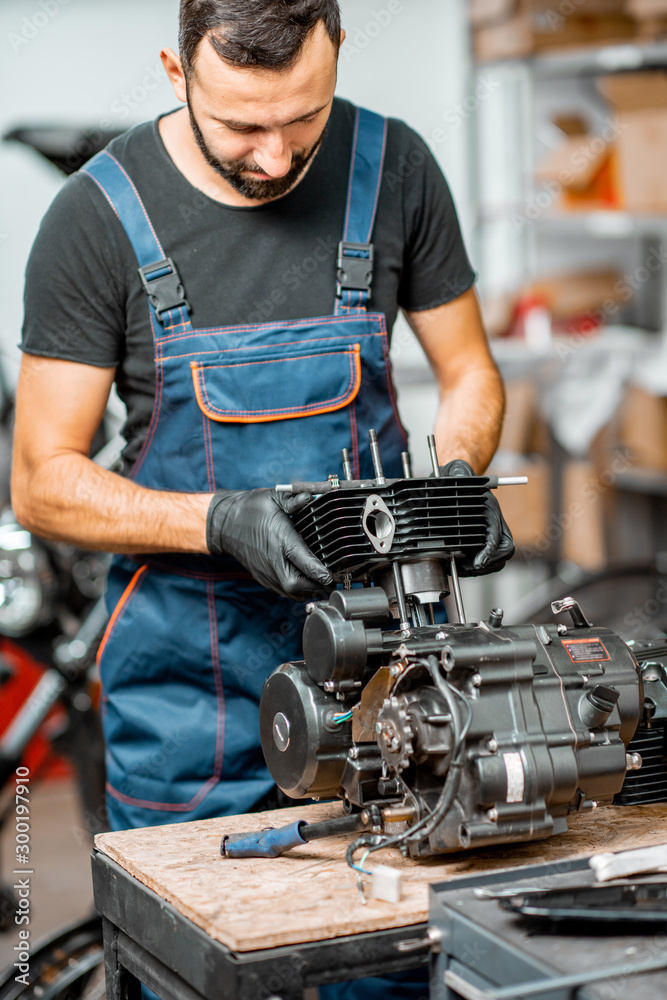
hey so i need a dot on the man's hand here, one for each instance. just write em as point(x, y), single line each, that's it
point(499, 542)
point(254, 527)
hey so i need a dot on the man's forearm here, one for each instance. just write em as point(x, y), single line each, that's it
point(71, 499)
point(469, 419)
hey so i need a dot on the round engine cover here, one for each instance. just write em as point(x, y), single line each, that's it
point(304, 751)
point(334, 648)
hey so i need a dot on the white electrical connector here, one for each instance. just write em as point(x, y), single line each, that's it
point(387, 883)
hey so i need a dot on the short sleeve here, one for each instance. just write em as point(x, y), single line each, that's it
point(75, 288)
point(436, 268)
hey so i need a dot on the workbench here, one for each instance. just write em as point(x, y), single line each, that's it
point(192, 924)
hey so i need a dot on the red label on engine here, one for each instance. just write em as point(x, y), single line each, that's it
point(585, 650)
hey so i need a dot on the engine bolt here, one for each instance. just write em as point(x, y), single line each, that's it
point(395, 671)
point(476, 680)
point(441, 635)
point(562, 629)
point(310, 607)
point(492, 814)
point(492, 745)
point(633, 761)
point(405, 633)
point(354, 753)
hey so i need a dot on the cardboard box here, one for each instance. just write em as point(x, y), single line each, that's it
point(579, 294)
point(489, 11)
point(643, 428)
point(571, 7)
point(526, 508)
point(651, 18)
point(582, 172)
point(575, 303)
point(582, 516)
point(576, 532)
point(511, 38)
point(481, 12)
point(527, 31)
point(646, 8)
point(640, 99)
point(520, 415)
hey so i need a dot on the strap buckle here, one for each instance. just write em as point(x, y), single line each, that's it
point(162, 283)
point(355, 267)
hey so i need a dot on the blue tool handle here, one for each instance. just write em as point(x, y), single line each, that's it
point(265, 843)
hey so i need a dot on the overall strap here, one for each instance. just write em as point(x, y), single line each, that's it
point(355, 251)
point(158, 273)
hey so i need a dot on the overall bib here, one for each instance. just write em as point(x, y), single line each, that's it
point(192, 639)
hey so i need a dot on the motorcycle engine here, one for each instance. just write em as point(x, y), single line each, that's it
point(452, 735)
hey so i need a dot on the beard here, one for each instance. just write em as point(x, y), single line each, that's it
point(250, 187)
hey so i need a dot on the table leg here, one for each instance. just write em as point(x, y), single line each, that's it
point(120, 984)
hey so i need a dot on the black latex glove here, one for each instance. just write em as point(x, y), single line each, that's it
point(254, 527)
point(499, 542)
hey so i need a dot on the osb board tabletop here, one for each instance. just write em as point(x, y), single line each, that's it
point(310, 894)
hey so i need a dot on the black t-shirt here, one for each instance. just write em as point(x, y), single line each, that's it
point(84, 301)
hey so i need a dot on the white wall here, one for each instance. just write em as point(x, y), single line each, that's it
point(409, 59)
point(96, 62)
point(79, 62)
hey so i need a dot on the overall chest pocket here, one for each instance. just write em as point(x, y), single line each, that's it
point(278, 386)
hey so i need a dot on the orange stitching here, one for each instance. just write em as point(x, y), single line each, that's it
point(107, 196)
point(356, 465)
point(164, 806)
point(335, 399)
point(208, 449)
point(379, 184)
point(350, 180)
point(219, 686)
point(270, 361)
point(265, 347)
point(157, 405)
point(118, 610)
point(389, 373)
point(138, 196)
point(261, 416)
point(245, 416)
point(218, 759)
point(291, 324)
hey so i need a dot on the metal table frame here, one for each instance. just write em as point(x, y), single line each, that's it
point(482, 957)
point(147, 940)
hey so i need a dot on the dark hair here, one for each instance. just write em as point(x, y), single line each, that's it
point(268, 33)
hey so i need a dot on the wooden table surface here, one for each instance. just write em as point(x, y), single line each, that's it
point(310, 894)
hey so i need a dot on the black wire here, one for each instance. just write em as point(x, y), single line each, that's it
point(427, 824)
point(451, 785)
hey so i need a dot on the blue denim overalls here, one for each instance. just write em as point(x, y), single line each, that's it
point(192, 639)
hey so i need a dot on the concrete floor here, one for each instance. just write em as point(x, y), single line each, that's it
point(60, 889)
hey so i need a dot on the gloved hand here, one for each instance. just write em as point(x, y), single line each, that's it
point(254, 527)
point(499, 542)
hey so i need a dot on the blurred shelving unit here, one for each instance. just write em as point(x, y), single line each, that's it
point(518, 234)
point(522, 234)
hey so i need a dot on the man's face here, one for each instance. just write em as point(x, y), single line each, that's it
point(260, 128)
